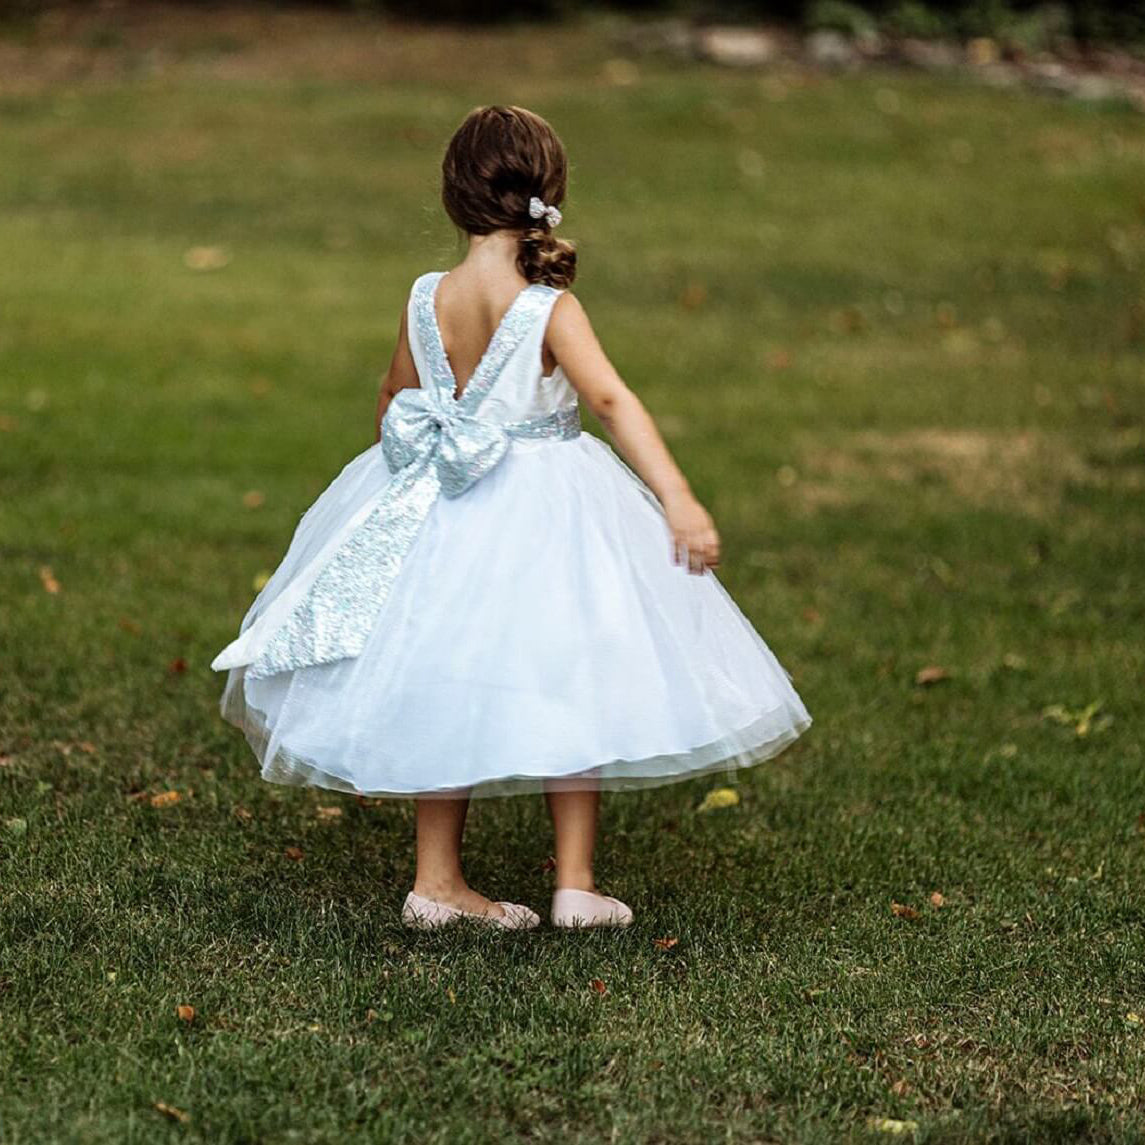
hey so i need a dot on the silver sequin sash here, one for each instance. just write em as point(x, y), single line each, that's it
point(434, 445)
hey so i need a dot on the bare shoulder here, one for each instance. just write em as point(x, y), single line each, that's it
point(568, 319)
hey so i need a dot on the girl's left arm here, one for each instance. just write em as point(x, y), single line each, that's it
point(401, 375)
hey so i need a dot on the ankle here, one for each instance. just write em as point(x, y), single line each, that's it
point(439, 887)
point(577, 881)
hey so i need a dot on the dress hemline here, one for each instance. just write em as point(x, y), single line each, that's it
point(732, 753)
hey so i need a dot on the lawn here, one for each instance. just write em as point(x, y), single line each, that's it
point(893, 327)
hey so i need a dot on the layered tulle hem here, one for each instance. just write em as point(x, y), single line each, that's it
point(761, 739)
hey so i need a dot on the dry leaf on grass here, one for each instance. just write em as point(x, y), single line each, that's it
point(177, 666)
point(165, 799)
point(901, 910)
point(185, 1013)
point(937, 898)
point(180, 1115)
point(243, 814)
point(598, 986)
point(892, 1125)
point(294, 853)
point(693, 296)
point(328, 814)
point(254, 498)
point(718, 798)
point(932, 674)
point(205, 258)
point(1082, 720)
point(51, 585)
point(664, 943)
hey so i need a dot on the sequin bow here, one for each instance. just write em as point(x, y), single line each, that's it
point(433, 445)
point(419, 427)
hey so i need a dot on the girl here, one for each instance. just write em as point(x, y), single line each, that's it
point(489, 601)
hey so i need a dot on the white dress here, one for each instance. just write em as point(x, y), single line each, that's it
point(485, 601)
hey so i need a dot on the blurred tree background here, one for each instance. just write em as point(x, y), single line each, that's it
point(1084, 20)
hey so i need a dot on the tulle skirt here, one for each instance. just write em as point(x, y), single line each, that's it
point(537, 637)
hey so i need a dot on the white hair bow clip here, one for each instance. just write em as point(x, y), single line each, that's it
point(539, 208)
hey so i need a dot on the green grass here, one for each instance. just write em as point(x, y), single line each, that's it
point(894, 329)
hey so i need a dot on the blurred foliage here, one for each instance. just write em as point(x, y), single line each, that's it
point(1087, 20)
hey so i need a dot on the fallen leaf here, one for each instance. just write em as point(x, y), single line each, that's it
point(901, 1087)
point(812, 615)
point(177, 666)
point(892, 1125)
point(205, 258)
point(1082, 720)
point(129, 625)
point(294, 853)
point(932, 674)
point(326, 814)
point(779, 359)
point(901, 910)
point(170, 1111)
point(599, 986)
point(694, 295)
point(937, 898)
point(51, 585)
point(664, 943)
point(253, 498)
point(165, 799)
point(718, 798)
point(185, 1013)
point(87, 746)
point(243, 814)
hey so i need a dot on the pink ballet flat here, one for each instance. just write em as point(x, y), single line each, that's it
point(428, 914)
point(573, 908)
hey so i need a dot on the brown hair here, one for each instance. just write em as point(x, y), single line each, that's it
point(497, 160)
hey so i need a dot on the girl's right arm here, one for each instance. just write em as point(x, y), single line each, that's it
point(574, 344)
point(401, 375)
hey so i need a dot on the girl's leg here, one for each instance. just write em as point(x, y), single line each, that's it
point(440, 827)
point(574, 815)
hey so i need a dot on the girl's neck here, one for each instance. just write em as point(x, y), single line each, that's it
point(494, 253)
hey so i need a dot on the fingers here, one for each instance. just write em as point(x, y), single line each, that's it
point(698, 553)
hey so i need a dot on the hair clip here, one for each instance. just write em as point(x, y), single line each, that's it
point(539, 208)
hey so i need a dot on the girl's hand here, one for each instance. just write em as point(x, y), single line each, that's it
point(694, 537)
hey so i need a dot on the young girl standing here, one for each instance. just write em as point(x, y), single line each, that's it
point(488, 601)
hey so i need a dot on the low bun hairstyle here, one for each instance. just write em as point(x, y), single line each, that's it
point(498, 159)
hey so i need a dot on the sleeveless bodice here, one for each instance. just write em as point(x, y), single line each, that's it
point(509, 384)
